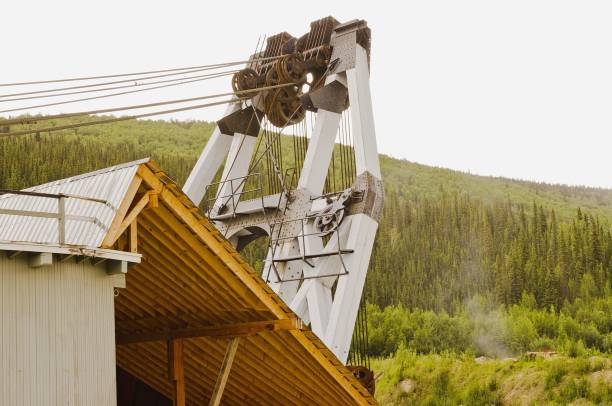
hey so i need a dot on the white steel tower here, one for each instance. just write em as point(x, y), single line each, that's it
point(320, 236)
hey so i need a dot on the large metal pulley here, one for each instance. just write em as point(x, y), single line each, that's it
point(291, 69)
point(328, 219)
point(244, 80)
point(283, 106)
point(301, 63)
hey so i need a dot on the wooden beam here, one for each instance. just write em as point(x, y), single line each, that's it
point(112, 235)
point(176, 370)
point(154, 200)
point(134, 236)
point(129, 218)
point(226, 366)
point(222, 331)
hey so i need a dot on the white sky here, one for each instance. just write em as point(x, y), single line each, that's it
point(520, 89)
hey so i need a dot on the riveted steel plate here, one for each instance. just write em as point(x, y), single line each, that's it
point(373, 194)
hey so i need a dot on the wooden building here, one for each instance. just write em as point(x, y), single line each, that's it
point(124, 270)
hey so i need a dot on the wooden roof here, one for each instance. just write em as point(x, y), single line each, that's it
point(193, 284)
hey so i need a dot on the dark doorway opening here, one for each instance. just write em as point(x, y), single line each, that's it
point(131, 391)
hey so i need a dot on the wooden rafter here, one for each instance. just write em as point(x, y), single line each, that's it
point(226, 366)
point(112, 235)
point(222, 331)
point(130, 218)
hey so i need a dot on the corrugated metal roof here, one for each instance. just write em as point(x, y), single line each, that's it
point(108, 184)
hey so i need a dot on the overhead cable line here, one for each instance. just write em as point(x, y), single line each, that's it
point(136, 84)
point(109, 95)
point(218, 65)
point(117, 119)
point(29, 120)
point(59, 89)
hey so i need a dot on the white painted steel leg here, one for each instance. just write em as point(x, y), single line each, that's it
point(314, 172)
point(332, 317)
point(320, 148)
point(350, 287)
point(319, 303)
point(362, 116)
point(315, 294)
point(209, 162)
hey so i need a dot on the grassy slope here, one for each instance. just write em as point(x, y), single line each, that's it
point(408, 379)
point(187, 139)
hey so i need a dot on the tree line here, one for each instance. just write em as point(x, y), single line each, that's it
point(434, 250)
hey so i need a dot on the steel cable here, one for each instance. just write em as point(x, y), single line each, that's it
point(212, 66)
point(117, 119)
point(135, 83)
point(29, 120)
point(104, 95)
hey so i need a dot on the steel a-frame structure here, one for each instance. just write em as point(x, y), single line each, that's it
point(320, 244)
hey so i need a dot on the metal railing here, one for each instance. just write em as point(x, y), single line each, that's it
point(61, 215)
point(240, 189)
point(277, 238)
point(237, 191)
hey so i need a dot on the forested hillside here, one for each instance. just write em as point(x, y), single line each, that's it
point(444, 237)
point(463, 266)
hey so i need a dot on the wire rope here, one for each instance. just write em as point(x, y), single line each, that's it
point(135, 82)
point(218, 65)
point(108, 95)
point(117, 119)
point(30, 120)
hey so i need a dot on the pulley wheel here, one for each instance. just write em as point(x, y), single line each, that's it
point(246, 79)
point(291, 69)
point(283, 106)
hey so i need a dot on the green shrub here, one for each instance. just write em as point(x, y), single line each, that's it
point(482, 329)
point(442, 386)
point(607, 343)
point(572, 390)
point(555, 374)
point(521, 332)
point(478, 395)
point(575, 348)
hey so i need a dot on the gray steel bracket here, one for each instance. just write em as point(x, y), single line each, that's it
point(331, 97)
point(372, 196)
point(244, 121)
point(345, 39)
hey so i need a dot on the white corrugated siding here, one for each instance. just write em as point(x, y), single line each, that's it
point(57, 334)
point(108, 184)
